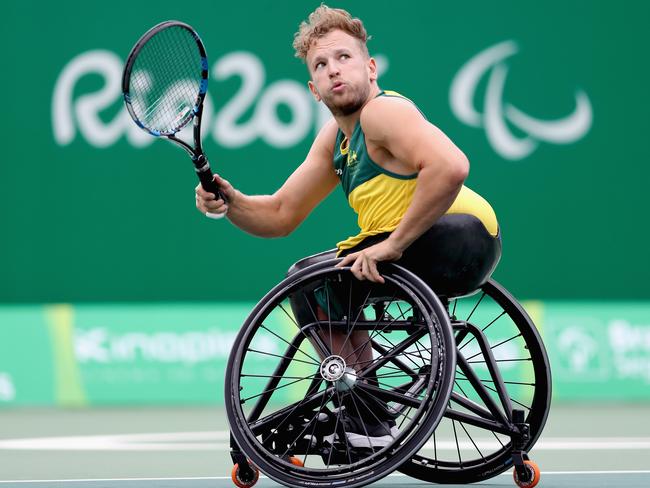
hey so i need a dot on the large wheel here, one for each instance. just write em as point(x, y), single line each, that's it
point(290, 396)
point(472, 442)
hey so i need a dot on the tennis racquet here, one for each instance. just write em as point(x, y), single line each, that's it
point(164, 84)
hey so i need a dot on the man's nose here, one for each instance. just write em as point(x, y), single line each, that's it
point(333, 69)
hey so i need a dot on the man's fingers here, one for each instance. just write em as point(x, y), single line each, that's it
point(374, 272)
point(357, 267)
point(363, 267)
point(204, 195)
point(347, 260)
point(214, 204)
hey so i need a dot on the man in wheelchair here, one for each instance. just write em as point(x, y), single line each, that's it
point(402, 176)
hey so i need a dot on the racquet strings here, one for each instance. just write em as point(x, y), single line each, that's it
point(166, 79)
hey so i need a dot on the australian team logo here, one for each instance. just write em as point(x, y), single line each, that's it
point(352, 158)
point(497, 113)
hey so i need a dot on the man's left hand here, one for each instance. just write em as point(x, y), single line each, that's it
point(365, 261)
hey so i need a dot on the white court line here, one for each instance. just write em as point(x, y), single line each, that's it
point(392, 475)
point(205, 441)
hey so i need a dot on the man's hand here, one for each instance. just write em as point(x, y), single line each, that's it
point(365, 261)
point(208, 204)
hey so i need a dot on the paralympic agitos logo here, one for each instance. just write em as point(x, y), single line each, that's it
point(496, 111)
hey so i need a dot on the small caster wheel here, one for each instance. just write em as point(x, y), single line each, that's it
point(245, 478)
point(533, 478)
point(295, 461)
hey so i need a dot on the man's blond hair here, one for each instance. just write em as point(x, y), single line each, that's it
point(322, 21)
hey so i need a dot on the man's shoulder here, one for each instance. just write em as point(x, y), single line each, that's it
point(326, 136)
point(386, 110)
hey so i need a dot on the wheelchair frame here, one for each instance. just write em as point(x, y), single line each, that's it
point(271, 444)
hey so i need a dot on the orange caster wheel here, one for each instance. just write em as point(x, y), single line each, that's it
point(246, 479)
point(295, 461)
point(534, 472)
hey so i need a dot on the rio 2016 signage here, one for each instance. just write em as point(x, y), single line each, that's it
point(83, 114)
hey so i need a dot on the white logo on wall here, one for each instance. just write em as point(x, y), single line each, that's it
point(580, 350)
point(99, 345)
point(86, 113)
point(496, 111)
point(630, 345)
point(7, 389)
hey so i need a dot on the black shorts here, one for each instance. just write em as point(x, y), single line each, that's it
point(454, 257)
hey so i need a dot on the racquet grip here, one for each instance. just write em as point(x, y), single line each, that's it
point(206, 177)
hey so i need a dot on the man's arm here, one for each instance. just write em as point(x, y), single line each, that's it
point(279, 214)
point(398, 127)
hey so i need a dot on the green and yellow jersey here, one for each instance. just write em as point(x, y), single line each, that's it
point(380, 198)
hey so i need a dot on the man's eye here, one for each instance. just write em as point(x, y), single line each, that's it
point(345, 56)
point(320, 64)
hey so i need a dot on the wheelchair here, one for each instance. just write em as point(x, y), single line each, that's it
point(466, 380)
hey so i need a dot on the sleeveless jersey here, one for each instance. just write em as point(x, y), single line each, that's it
point(380, 198)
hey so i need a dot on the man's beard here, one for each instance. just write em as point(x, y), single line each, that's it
point(360, 96)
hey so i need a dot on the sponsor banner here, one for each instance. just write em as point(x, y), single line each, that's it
point(599, 351)
point(89, 355)
point(153, 353)
point(26, 357)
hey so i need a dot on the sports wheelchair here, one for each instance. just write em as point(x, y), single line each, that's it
point(466, 380)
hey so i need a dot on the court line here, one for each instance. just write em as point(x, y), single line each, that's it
point(92, 480)
point(392, 475)
point(201, 441)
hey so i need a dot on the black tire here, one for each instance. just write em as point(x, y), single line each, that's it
point(460, 452)
point(264, 416)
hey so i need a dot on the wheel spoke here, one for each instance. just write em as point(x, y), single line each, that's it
point(390, 355)
point(345, 438)
point(502, 360)
point(371, 336)
point(351, 328)
point(453, 422)
point(276, 376)
point(278, 388)
point(475, 307)
point(301, 402)
point(313, 420)
point(283, 357)
point(325, 353)
point(483, 329)
point(472, 441)
point(287, 342)
point(495, 346)
point(405, 353)
point(363, 424)
point(389, 396)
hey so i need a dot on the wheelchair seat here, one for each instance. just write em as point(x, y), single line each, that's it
point(455, 257)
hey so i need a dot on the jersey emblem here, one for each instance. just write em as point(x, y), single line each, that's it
point(352, 158)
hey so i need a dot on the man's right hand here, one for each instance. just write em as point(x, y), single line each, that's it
point(208, 204)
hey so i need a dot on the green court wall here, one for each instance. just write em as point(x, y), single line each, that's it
point(548, 100)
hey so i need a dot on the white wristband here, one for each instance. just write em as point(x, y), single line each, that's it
point(215, 216)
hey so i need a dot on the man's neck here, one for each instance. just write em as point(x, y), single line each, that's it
point(347, 123)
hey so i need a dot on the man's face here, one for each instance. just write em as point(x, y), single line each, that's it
point(341, 73)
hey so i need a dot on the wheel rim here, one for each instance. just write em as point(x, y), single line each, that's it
point(288, 423)
point(457, 450)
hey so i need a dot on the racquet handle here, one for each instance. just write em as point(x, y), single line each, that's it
point(206, 176)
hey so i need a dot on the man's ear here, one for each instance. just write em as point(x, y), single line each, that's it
point(314, 91)
point(372, 69)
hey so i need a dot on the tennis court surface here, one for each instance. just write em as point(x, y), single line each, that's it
point(604, 446)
